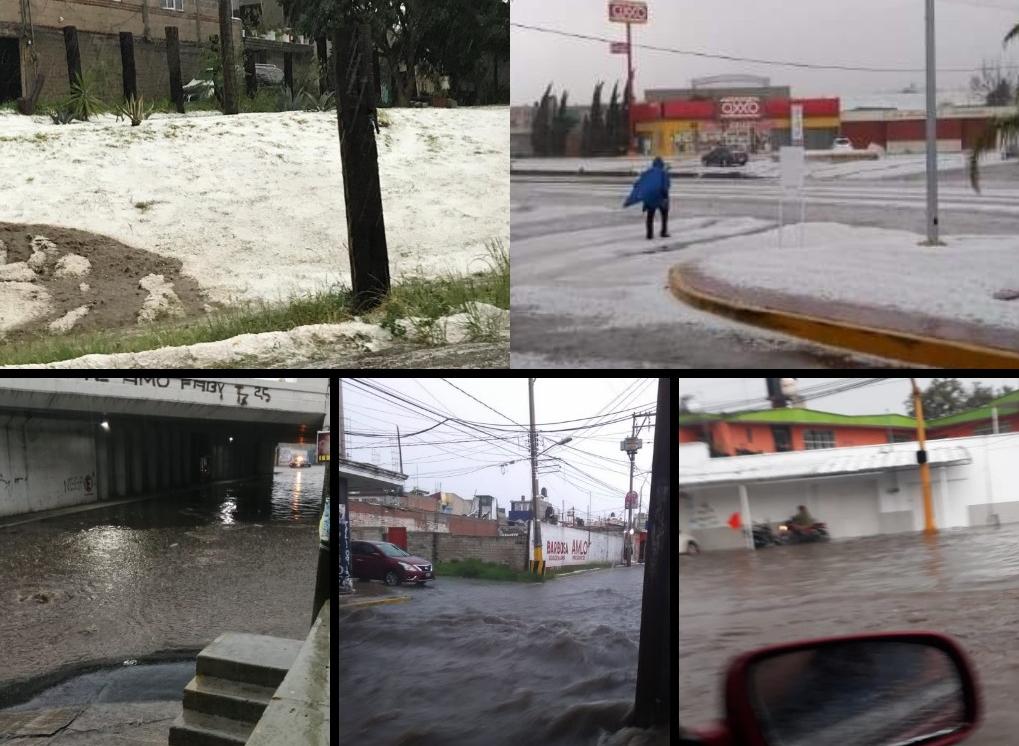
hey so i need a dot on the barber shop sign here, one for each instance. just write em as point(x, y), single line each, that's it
point(746, 107)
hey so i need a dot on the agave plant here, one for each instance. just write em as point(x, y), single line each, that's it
point(323, 102)
point(83, 102)
point(1001, 130)
point(134, 109)
point(62, 116)
point(287, 100)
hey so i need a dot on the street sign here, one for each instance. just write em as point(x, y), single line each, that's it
point(794, 168)
point(631, 500)
point(740, 107)
point(323, 446)
point(620, 47)
point(796, 122)
point(627, 11)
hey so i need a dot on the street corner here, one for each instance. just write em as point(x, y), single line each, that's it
point(877, 330)
point(359, 600)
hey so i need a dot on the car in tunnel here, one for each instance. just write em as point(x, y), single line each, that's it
point(299, 462)
point(381, 560)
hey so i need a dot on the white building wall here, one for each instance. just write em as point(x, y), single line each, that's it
point(563, 546)
point(965, 495)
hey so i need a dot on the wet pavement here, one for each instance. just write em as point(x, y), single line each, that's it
point(962, 583)
point(474, 662)
point(156, 579)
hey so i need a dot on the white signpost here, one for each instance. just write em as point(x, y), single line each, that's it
point(628, 12)
point(793, 163)
point(796, 122)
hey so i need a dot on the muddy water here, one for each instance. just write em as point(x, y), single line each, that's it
point(166, 574)
point(963, 583)
point(472, 662)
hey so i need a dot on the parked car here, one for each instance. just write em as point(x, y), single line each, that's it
point(725, 156)
point(380, 560)
point(842, 143)
point(299, 462)
point(687, 545)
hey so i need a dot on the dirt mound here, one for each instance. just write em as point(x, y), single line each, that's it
point(65, 271)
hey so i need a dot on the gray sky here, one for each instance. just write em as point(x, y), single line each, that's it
point(872, 33)
point(438, 461)
point(886, 396)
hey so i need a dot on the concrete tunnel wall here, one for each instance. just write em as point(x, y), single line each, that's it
point(53, 462)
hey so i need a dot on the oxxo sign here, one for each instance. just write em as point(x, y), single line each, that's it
point(622, 11)
point(740, 108)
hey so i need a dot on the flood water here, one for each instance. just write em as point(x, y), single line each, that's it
point(473, 662)
point(962, 583)
point(157, 576)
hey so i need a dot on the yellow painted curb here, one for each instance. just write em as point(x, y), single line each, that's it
point(363, 603)
point(902, 346)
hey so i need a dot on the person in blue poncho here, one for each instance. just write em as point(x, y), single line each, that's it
point(652, 188)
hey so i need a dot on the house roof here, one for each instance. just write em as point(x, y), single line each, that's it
point(796, 465)
point(1007, 404)
point(800, 415)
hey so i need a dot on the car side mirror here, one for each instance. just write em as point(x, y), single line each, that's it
point(895, 689)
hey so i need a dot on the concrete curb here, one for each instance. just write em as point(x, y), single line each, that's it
point(366, 602)
point(897, 345)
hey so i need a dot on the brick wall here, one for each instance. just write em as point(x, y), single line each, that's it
point(370, 515)
point(441, 547)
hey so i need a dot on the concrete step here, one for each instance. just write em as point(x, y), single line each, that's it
point(232, 699)
point(201, 729)
point(248, 659)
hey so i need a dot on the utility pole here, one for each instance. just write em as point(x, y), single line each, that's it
point(631, 445)
point(399, 447)
point(630, 150)
point(655, 700)
point(933, 238)
point(537, 563)
point(921, 459)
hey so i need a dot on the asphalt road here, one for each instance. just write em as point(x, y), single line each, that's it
point(583, 296)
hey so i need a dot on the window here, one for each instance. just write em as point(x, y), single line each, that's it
point(818, 439)
point(783, 438)
point(173, 4)
point(750, 435)
point(1003, 427)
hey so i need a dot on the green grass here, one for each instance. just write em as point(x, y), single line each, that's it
point(473, 568)
point(427, 299)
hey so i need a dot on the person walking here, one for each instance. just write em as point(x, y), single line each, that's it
point(652, 188)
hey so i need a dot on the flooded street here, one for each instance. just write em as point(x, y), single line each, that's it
point(156, 579)
point(963, 583)
point(474, 662)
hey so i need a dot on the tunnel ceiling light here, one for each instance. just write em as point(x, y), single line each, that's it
point(105, 425)
point(231, 439)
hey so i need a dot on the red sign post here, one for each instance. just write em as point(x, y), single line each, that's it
point(628, 12)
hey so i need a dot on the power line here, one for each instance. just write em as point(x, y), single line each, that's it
point(753, 60)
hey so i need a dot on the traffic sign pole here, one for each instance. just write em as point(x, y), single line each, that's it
point(629, 93)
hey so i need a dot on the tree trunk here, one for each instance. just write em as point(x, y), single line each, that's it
point(356, 114)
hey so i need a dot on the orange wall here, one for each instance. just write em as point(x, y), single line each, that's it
point(757, 438)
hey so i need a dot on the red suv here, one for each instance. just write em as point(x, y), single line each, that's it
point(380, 560)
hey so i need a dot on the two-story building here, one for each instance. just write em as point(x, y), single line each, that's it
point(32, 42)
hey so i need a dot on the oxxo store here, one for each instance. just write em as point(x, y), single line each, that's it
point(757, 125)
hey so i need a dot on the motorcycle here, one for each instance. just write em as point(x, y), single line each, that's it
point(793, 533)
point(763, 535)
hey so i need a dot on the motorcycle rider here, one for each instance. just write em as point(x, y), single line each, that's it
point(803, 521)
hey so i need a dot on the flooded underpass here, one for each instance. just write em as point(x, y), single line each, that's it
point(157, 579)
point(963, 583)
point(474, 662)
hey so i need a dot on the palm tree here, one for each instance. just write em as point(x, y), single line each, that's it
point(1003, 128)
